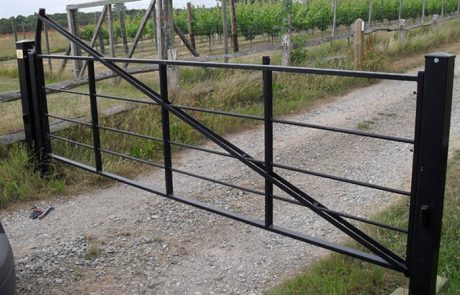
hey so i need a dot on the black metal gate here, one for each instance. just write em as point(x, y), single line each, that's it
point(430, 145)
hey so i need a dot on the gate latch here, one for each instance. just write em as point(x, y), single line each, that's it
point(425, 211)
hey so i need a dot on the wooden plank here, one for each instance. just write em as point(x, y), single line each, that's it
point(96, 3)
point(159, 21)
point(224, 28)
point(47, 43)
point(15, 32)
point(70, 84)
point(95, 35)
point(72, 18)
point(185, 40)
point(64, 61)
point(58, 125)
point(234, 27)
point(190, 24)
point(121, 15)
point(111, 36)
point(358, 42)
point(149, 11)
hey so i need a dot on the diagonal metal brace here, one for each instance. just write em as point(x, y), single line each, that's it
point(393, 259)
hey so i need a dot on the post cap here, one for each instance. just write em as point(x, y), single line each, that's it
point(440, 55)
point(24, 41)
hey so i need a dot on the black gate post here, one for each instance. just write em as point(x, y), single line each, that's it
point(268, 137)
point(40, 112)
point(430, 162)
point(94, 116)
point(166, 129)
point(22, 50)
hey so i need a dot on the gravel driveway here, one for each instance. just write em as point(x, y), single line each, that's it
point(143, 244)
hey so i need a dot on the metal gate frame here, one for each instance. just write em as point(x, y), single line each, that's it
point(433, 110)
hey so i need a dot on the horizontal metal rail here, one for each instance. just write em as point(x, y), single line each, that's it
point(252, 117)
point(216, 112)
point(78, 122)
point(106, 151)
point(245, 219)
point(66, 91)
point(368, 221)
point(281, 166)
point(103, 96)
point(132, 158)
point(342, 179)
point(53, 136)
point(346, 215)
point(347, 131)
point(255, 67)
point(134, 100)
point(389, 257)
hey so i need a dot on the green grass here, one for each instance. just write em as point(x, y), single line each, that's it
point(19, 182)
point(93, 250)
point(365, 125)
point(338, 274)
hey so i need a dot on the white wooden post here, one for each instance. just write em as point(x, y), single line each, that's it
point(286, 50)
point(358, 42)
point(402, 30)
point(173, 75)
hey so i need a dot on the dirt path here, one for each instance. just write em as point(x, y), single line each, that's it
point(149, 245)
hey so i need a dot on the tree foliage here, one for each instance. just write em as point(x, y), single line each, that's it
point(256, 17)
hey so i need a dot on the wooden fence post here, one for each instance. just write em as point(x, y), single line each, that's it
point(234, 28)
point(423, 11)
point(72, 18)
point(400, 10)
point(121, 16)
point(224, 28)
point(13, 26)
point(161, 50)
point(47, 44)
point(334, 17)
point(111, 36)
point(190, 24)
point(173, 75)
point(434, 23)
point(369, 17)
point(286, 50)
point(402, 30)
point(358, 42)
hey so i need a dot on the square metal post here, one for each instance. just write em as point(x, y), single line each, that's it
point(94, 116)
point(22, 50)
point(40, 111)
point(429, 175)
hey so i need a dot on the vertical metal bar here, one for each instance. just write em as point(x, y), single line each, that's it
point(431, 162)
point(416, 151)
point(166, 129)
point(40, 108)
point(268, 137)
point(22, 50)
point(47, 44)
point(94, 116)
